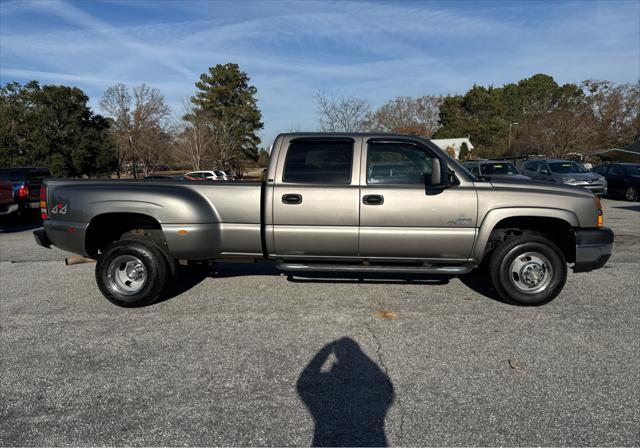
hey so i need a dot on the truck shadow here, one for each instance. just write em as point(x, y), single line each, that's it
point(13, 227)
point(480, 282)
point(347, 395)
point(188, 278)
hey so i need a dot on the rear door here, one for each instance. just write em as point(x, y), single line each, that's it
point(398, 219)
point(315, 197)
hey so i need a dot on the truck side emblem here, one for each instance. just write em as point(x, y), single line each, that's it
point(460, 222)
point(59, 209)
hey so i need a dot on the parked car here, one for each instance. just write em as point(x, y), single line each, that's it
point(318, 210)
point(493, 168)
point(566, 172)
point(7, 205)
point(228, 175)
point(26, 183)
point(167, 177)
point(211, 175)
point(623, 179)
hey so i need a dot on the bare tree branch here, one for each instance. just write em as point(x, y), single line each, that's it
point(344, 114)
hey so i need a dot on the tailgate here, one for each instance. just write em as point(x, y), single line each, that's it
point(6, 192)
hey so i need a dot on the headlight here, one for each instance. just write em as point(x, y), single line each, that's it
point(569, 180)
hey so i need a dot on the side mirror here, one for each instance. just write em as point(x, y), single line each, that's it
point(436, 173)
point(440, 177)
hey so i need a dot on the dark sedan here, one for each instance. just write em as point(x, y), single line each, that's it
point(623, 179)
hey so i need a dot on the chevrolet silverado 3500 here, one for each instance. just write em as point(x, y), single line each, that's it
point(353, 202)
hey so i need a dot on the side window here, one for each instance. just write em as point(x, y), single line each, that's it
point(543, 168)
point(397, 163)
point(531, 166)
point(602, 170)
point(319, 162)
point(616, 171)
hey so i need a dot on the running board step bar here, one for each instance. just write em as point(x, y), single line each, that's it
point(383, 269)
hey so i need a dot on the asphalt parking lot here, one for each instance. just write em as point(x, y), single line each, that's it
point(247, 356)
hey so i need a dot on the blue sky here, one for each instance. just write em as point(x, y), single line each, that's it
point(373, 50)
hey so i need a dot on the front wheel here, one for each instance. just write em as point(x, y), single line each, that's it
point(132, 273)
point(528, 270)
point(631, 193)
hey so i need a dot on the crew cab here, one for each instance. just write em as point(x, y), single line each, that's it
point(382, 203)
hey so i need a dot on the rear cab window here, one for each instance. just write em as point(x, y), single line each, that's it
point(319, 162)
point(38, 174)
point(13, 175)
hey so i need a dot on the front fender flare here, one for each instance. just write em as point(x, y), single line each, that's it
point(493, 217)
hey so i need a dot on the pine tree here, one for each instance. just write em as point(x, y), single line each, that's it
point(227, 103)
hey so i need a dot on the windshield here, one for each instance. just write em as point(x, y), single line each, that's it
point(219, 173)
point(566, 167)
point(632, 170)
point(487, 169)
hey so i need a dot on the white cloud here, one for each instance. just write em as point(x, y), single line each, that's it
point(290, 50)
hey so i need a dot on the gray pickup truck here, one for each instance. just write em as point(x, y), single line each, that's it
point(375, 203)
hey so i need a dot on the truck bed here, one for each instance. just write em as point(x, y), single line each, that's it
point(200, 219)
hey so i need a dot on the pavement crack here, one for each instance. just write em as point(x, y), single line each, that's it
point(386, 371)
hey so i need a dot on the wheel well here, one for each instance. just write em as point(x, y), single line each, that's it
point(555, 229)
point(109, 227)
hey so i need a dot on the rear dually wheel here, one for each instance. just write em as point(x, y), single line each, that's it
point(132, 273)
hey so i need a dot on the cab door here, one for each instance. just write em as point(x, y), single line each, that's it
point(315, 197)
point(398, 219)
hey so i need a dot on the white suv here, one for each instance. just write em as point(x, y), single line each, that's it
point(212, 175)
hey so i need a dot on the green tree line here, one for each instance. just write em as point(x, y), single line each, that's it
point(53, 126)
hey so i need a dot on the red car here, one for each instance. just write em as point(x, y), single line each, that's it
point(7, 204)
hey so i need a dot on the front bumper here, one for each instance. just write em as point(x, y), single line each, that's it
point(595, 188)
point(593, 248)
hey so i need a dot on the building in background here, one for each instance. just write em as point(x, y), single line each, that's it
point(453, 145)
point(629, 153)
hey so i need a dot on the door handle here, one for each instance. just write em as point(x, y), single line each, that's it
point(292, 199)
point(373, 199)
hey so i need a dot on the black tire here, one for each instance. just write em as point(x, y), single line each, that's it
point(533, 250)
point(172, 264)
point(631, 193)
point(156, 273)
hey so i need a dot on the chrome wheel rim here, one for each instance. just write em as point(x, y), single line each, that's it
point(531, 272)
point(631, 194)
point(126, 275)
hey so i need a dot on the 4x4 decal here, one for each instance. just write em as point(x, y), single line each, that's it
point(59, 209)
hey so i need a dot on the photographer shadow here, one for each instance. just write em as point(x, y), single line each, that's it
point(348, 396)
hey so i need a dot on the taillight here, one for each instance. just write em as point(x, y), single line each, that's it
point(43, 202)
point(23, 192)
point(600, 211)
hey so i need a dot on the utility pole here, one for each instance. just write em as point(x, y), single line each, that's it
point(509, 145)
